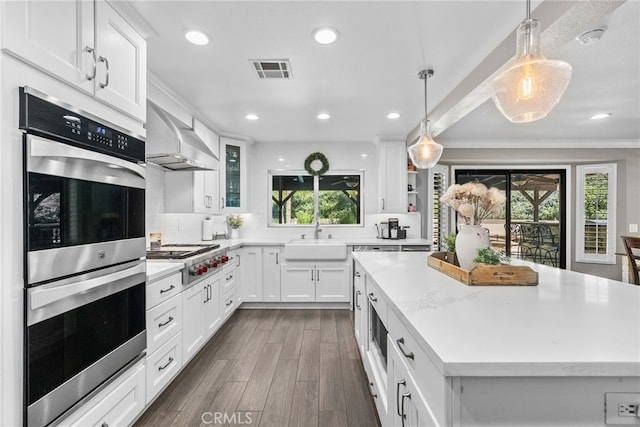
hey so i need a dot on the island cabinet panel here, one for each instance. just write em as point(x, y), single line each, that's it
point(407, 405)
point(541, 401)
point(431, 383)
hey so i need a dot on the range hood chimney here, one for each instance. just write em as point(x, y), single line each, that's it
point(175, 146)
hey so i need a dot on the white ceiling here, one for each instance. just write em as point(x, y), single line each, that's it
point(372, 69)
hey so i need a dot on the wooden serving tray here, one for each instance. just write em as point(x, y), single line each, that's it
point(485, 275)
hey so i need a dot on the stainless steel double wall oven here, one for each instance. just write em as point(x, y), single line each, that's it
point(84, 234)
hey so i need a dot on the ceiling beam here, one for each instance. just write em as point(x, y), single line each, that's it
point(561, 22)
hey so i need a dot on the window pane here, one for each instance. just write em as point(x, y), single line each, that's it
point(292, 199)
point(596, 190)
point(339, 199)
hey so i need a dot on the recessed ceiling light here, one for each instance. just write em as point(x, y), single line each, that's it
point(393, 115)
point(197, 37)
point(363, 155)
point(251, 117)
point(281, 159)
point(325, 35)
point(600, 116)
point(323, 116)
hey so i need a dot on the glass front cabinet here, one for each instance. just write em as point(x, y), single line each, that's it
point(233, 175)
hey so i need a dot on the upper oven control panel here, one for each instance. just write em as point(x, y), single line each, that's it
point(52, 119)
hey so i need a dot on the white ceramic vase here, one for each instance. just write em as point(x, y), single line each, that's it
point(469, 239)
point(235, 234)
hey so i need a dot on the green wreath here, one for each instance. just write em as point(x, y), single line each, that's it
point(313, 157)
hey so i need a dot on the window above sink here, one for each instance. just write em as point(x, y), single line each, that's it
point(336, 197)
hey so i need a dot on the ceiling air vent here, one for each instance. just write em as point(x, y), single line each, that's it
point(272, 68)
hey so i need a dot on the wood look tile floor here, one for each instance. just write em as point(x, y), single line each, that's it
point(272, 368)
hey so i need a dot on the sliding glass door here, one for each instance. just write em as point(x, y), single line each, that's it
point(532, 225)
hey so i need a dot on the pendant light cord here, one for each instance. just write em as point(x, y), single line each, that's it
point(528, 9)
point(426, 77)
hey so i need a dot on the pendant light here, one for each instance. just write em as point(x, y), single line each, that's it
point(530, 89)
point(426, 152)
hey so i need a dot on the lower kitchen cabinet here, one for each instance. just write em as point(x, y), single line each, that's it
point(193, 319)
point(327, 282)
point(163, 365)
point(360, 309)
point(407, 406)
point(163, 321)
point(212, 307)
point(260, 271)
point(250, 266)
point(119, 404)
point(271, 274)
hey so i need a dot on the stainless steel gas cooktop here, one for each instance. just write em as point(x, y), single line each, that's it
point(180, 251)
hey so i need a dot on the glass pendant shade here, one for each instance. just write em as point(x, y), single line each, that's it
point(530, 89)
point(426, 152)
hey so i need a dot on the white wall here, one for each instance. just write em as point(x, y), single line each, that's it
point(181, 228)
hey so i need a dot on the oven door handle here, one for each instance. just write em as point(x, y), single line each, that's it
point(44, 295)
point(43, 148)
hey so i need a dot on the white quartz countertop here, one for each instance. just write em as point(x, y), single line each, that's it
point(571, 324)
point(158, 270)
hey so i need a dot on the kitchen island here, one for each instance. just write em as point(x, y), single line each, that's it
point(514, 355)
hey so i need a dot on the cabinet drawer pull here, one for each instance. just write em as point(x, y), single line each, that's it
point(312, 279)
point(162, 291)
point(400, 342)
point(372, 297)
point(358, 293)
point(277, 258)
point(406, 395)
point(238, 263)
point(375, 396)
point(160, 368)
point(106, 78)
point(357, 274)
point(229, 303)
point(402, 382)
point(92, 51)
point(318, 275)
point(229, 277)
point(160, 325)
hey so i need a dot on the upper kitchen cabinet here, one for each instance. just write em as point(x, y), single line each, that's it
point(86, 44)
point(233, 175)
point(392, 175)
point(191, 192)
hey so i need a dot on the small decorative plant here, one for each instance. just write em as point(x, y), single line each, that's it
point(450, 242)
point(487, 256)
point(234, 221)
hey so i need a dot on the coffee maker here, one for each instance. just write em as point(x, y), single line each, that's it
point(393, 228)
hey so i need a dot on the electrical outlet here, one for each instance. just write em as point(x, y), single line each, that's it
point(628, 409)
point(622, 409)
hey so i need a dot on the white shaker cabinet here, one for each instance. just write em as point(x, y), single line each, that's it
point(191, 192)
point(271, 273)
point(392, 177)
point(192, 320)
point(327, 282)
point(360, 309)
point(86, 44)
point(250, 265)
point(57, 37)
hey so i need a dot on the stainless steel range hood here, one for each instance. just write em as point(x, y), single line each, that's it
point(174, 145)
